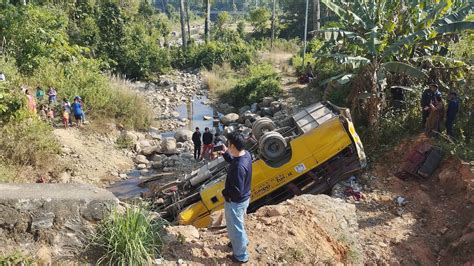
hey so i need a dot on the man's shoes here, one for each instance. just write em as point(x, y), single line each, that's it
point(235, 260)
point(230, 244)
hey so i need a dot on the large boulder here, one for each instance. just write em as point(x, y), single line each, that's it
point(168, 145)
point(141, 159)
point(183, 135)
point(229, 118)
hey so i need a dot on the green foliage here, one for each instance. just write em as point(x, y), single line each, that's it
point(261, 81)
point(297, 62)
point(129, 238)
point(27, 141)
point(222, 19)
point(102, 97)
point(35, 33)
point(239, 54)
point(241, 29)
point(260, 20)
point(394, 126)
point(16, 258)
point(124, 142)
point(462, 50)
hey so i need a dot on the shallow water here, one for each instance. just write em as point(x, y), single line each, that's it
point(194, 110)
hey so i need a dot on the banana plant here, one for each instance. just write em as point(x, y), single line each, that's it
point(387, 33)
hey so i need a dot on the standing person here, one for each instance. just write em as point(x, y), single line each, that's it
point(453, 109)
point(67, 107)
point(207, 140)
point(52, 95)
point(77, 111)
point(31, 102)
point(50, 114)
point(82, 107)
point(66, 116)
point(435, 117)
point(237, 195)
point(427, 98)
point(39, 94)
point(197, 143)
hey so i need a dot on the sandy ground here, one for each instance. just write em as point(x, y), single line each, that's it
point(90, 158)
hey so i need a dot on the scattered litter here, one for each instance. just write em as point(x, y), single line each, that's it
point(349, 188)
point(401, 201)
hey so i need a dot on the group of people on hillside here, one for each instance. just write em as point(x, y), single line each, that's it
point(49, 108)
point(434, 110)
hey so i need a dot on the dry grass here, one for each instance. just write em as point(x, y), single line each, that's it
point(220, 79)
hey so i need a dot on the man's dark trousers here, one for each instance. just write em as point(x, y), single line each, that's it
point(197, 152)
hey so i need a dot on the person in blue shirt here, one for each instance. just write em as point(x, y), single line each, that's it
point(237, 195)
point(77, 111)
point(453, 109)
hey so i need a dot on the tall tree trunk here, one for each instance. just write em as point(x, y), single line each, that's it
point(273, 23)
point(316, 15)
point(186, 4)
point(164, 6)
point(207, 26)
point(234, 6)
point(183, 27)
point(23, 2)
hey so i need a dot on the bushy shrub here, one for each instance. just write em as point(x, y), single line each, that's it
point(239, 54)
point(28, 141)
point(102, 97)
point(130, 238)
point(261, 80)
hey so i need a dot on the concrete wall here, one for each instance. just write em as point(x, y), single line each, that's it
point(61, 216)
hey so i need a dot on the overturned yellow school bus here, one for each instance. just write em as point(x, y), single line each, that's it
point(307, 153)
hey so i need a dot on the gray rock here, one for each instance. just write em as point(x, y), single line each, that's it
point(183, 135)
point(229, 118)
point(168, 145)
point(141, 166)
point(130, 135)
point(42, 220)
point(123, 176)
point(254, 107)
point(157, 158)
point(141, 159)
point(174, 114)
point(147, 151)
point(157, 165)
point(244, 109)
point(266, 101)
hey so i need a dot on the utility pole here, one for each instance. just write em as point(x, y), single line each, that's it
point(207, 25)
point(183, 27)
point(305, 30)
point(273, 23)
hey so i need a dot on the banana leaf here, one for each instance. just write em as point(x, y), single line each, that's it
point(406, 69)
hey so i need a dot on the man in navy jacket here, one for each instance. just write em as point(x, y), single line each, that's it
point(237, 195)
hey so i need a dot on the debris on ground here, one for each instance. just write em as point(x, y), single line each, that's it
point(309, 229)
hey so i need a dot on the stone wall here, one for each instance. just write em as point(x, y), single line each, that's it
point(60, 216)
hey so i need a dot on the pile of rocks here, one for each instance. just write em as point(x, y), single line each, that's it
point(171, 91)
point(277, 110)
point(153, 152)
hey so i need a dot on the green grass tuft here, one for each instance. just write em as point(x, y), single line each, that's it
point(129, 238)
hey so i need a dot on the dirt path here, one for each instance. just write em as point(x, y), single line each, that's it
point(436, 226)
point(90, 158)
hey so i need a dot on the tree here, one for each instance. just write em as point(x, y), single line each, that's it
point(259, 18)
point(183, 25)
point(222, 19)
point(187, 18)
point(207, 26)
point(316, 15)
point(273, 22)
point(376, 35)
